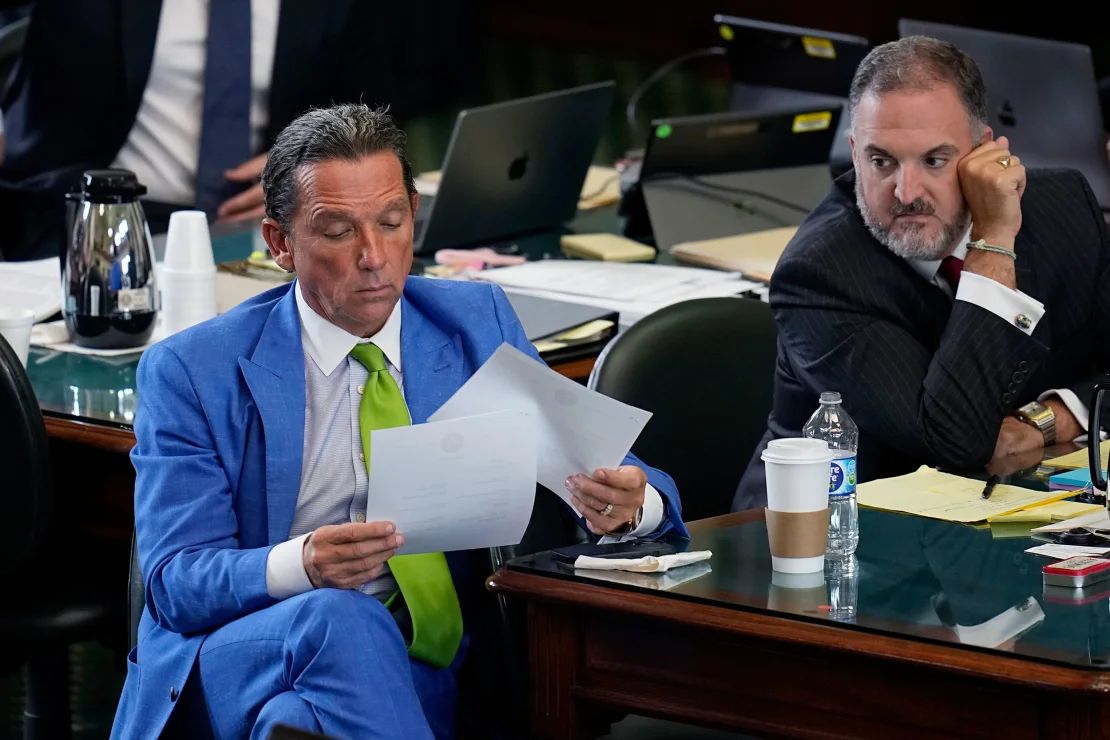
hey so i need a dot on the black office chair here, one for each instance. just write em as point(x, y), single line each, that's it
point(52, 602)
point(12, 36)
point(704, 369)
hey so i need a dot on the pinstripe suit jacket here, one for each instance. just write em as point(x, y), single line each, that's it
point(926, 378)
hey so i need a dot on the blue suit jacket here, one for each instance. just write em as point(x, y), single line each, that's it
point(220, 431)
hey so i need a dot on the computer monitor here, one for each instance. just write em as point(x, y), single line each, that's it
point(1042, 95)
point(514, 167)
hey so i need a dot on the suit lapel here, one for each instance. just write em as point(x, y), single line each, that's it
point(274, 373)
point(138, 32)
point(432, 363)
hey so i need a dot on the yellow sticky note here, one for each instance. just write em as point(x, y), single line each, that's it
point(804, 123)
point(547, 345)
point(818, 47)
point(585, 331)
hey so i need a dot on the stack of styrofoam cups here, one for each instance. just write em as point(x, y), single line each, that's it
point(15, 327)
point(797, 503)
point(188, 275)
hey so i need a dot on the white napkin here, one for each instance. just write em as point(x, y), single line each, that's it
point(646, 564)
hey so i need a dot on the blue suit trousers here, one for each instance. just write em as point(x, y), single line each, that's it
point(329, 661)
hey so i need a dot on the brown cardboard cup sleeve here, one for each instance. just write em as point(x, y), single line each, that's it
point(797, 534)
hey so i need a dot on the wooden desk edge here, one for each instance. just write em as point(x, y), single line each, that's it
point(99, 436)
point(740, 622)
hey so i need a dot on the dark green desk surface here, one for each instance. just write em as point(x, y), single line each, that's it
point(916, 578)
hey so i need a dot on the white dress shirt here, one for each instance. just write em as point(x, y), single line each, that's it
point(1003, 302)
point(164, 143)
point(334, 484)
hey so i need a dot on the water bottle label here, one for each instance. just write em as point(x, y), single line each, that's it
point(842, 477)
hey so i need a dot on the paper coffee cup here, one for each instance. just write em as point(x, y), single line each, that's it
point(15, 326)
point(797, 473)
point(798, 593)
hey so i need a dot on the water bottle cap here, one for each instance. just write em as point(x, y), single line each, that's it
point(830, 397)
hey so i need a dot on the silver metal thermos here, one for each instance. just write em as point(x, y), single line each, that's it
point(110, 296)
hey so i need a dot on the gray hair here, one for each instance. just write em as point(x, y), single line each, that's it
point(346, 132)
point(921, 63)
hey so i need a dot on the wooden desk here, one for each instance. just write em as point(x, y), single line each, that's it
point(713, 656)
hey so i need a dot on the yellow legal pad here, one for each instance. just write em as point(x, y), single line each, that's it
point(953, 498)
point(1056, 511)
point(1078, 459)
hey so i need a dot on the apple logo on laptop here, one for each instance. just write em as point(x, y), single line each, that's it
point(518, 167)
point(1006, 114)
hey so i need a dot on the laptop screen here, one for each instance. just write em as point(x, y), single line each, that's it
point(740, 142)
point(1042, 95)
point(774, 55)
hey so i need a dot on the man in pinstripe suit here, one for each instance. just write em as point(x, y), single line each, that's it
point(940, 287)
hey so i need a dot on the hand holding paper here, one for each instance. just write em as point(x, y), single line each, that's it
point(579, 430)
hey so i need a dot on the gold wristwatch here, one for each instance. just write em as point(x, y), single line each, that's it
point(1041, 417)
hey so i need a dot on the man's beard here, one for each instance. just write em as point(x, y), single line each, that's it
point(910, 242)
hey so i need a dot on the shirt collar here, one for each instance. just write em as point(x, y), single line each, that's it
point(328, 345)
point(928, 269)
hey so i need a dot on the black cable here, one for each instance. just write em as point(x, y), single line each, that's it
point(701, 182)
point(630, 109)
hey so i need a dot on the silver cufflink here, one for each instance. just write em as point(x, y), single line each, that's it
point(1023, 322)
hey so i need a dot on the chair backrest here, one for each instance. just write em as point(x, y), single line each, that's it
point(704, 369)
point(12, 37)
point(26, 470)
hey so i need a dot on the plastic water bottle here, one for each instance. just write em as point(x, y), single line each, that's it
point(842, 580)
point(831, 423)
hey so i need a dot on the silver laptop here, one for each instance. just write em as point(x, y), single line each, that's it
point(723, 174)
point(1042, 95)
point(514, 167)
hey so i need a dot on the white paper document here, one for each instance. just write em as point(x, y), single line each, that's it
point(633, 290)
point(579, 429)
point(36, 285)
point(455, 485)
point(1063, 552)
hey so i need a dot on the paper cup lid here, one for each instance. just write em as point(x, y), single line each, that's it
point(796, 450)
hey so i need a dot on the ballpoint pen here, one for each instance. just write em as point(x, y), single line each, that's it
point(989, 487)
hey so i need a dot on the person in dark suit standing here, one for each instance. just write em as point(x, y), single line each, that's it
point(957, 301)
point(190, 95)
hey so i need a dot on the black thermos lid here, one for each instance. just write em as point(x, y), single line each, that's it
point(109, 186)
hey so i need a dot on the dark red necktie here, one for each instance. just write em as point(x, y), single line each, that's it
point(950, 269)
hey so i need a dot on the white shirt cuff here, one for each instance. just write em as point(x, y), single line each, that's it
point(1077, 408)
point(285, 573)
point(649, 522)
point(1003, 302)
point(653, 512)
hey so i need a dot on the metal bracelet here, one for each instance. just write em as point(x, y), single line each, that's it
point(984, 247)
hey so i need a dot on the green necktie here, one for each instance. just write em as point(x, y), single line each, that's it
point(424, 579)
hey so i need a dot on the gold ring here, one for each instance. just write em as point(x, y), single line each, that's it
point(607, 510)
point(1004, 160)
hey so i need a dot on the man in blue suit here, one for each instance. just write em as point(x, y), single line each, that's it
point(269, 597)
